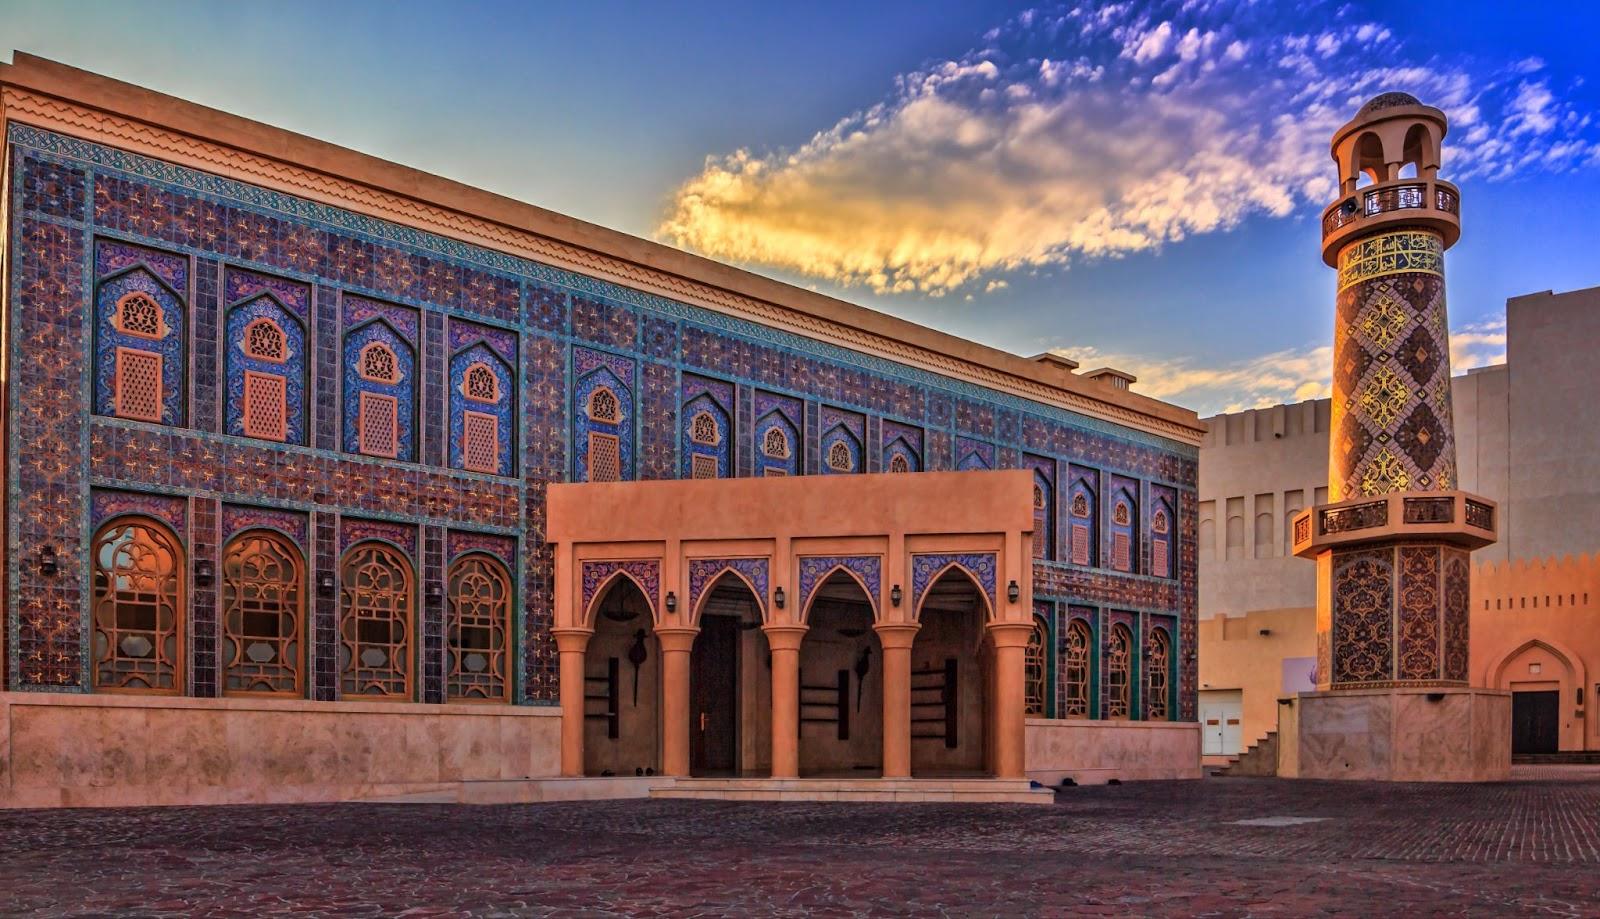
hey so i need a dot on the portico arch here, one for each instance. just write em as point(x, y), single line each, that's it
point(841, 683)
point(729, 691)
point(622, 682)
point(952, 667)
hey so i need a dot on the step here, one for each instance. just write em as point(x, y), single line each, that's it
point(947, 791)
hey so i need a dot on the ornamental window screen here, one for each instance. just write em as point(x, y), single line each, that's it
point(1121, 552)
point(1157, 658)
point(262, 612)
point(1036, 669)
point(775, 443)
point(839, 457)
point(375, 623)
point(1160, 546)
point(477, 644)
point(266, 406)
point(604, 407)
point(605, 457)
point(378, 425)
point(1076, 658)
point(480, 442)
point(138, 314)
point(899, 463)
point(703, 430)
point(137, 602)
point(774, 472)
point(480, 384)
point(1041, 523)
point(1120, 515)
point(1119, 663)
point(138, 388)
point(264, 341)
point(1080, 530)
point(702, 466)
point(379, 364)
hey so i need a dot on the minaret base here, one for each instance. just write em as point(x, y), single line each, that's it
point(1396, 735)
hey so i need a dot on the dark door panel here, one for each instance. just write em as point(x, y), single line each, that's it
point(1535, 722)
point(714, 694)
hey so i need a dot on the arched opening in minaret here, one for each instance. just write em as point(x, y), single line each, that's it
point(1369, 164)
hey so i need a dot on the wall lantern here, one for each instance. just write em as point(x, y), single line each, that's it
point(672, 602)
point(203, 573)
point(434, 591)
point(325, 584)
point(47, 561)
point(1013, 592)
point(895, 595)
point(777, 597)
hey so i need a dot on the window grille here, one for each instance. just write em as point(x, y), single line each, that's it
point(1036, 669)
point(378, 423)
point(375, 624)
point(1160, 564)
point(138, 314)
point(266, 406)
point(379, 364)
point(1080, 544)
point(264, 341)
point(1075, 667)
point(702, 466)
point(603, 406)
point(138, 583)
point(703, 429)
point(1157, 658)
point(839, 457)
point(605, 457)
point(480, 442)
point(774, 472)
point(480, 384)
point(138, 389)
point(1119, 660)
point(1121, 552)
point(775, 443)
point(262, 612)
point(477, 647)
point(899, 463)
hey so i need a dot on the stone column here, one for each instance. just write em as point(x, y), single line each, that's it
point(1010, 702)
point(676, 647)
point(571, 644)
point(896, 639)
point(783, 641)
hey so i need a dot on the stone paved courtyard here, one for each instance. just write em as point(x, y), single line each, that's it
point(1173, 848)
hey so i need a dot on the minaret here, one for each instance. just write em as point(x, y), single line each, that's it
point(1392, 550)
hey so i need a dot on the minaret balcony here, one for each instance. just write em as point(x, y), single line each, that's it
point(1427, 203)
point(1455, 517)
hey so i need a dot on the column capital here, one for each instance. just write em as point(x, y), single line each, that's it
point(679, 638)
point(572, 640)
point(896, 634)
point(1010, 634)
point(785, 636)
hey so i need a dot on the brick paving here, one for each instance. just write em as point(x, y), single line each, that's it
point(1160, 849)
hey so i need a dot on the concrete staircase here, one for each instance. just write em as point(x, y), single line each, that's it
point(1260, 760)
point(946, 791)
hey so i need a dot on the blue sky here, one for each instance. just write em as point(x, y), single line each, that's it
point(1132, 183)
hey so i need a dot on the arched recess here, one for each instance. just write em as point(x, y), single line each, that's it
point(377, 616)
point(266, 369)
point(1497, 675)
point(1541, 665)
point(1420, 150)
point(730, 685)
point(1044, 515)
point(841, 684)
point(778, 445)
point(263, 615)
point(952, 665)
point(140, 367)
point(138, 607)
point(1367, 161)
point(622, 683)
point(380, 391)
point(706, 439)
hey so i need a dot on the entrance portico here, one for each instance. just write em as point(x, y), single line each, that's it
point(843, 626)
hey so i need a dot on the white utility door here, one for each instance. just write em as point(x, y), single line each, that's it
point(1221, 711)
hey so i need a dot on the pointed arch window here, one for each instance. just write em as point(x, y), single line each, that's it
point(839, 457)
point(775, 443)
point(604, 407)
point(1160, 544)
point(139, 315)
point(264, 340)
point(1036, 669)
point(1119, 670)
point(703, 429)
point(1157, 661)
point(375, 623)
point(263, 611)
point(1076, 658)
point(138, 603)
point(480, 384)
point(477, 632)
point(379, 364)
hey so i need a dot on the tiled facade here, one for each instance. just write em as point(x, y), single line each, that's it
point(589, 380)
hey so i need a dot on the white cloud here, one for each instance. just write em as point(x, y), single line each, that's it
point(1097, 132)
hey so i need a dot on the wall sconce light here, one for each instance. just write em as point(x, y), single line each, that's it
point(672, 602)
point(1013, 591)
point(777, 597)
point(47, 561)
point(1264, 633)
point(203, 573)
point(895, 595)
point(434, 591)
point(325, 584)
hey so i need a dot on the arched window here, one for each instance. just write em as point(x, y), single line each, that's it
point(379, 364)
point(139, 314)
point(1120, 515)
point(1041, 517)
point(264, 340)
point(1036, 671)
point(137, 607)
point(775, 443)
point(1080, 505)
point(898, 463)
point(480, 384)
point(375, 625)
point(477, 643)
point(1161, 542)
point(604, 407)
point(1119, 663)
point(1157, 659)
point(262, 613)
point(1076, 659)
point(839, 457)
point(1159, 522)
point(703, 429)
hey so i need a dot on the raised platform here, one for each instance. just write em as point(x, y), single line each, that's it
point(1396, 735)
point(941, 791)
point(527, 791)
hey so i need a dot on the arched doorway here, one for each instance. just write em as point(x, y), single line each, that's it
point(951, 667)
point(730, 686)
point(1541, 677)
point(622, 685)
point(841, 683)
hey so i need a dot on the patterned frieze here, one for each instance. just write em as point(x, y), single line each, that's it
point(704, 572)
point(236, 518)
point(926, 569)
point(460, 542)
point(646, 573)
point(814, 569)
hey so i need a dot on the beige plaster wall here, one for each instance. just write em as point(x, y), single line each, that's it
point(106, 751)
point(1235, 655)
point(1093, 752)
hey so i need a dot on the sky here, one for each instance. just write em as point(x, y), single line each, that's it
point(1134, 184)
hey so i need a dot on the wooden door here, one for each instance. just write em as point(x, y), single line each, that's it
point(714, 697)
point(1535, 722)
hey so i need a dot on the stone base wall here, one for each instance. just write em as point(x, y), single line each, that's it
point(1399, 735)
point(1094, 752)
point(59, 750)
